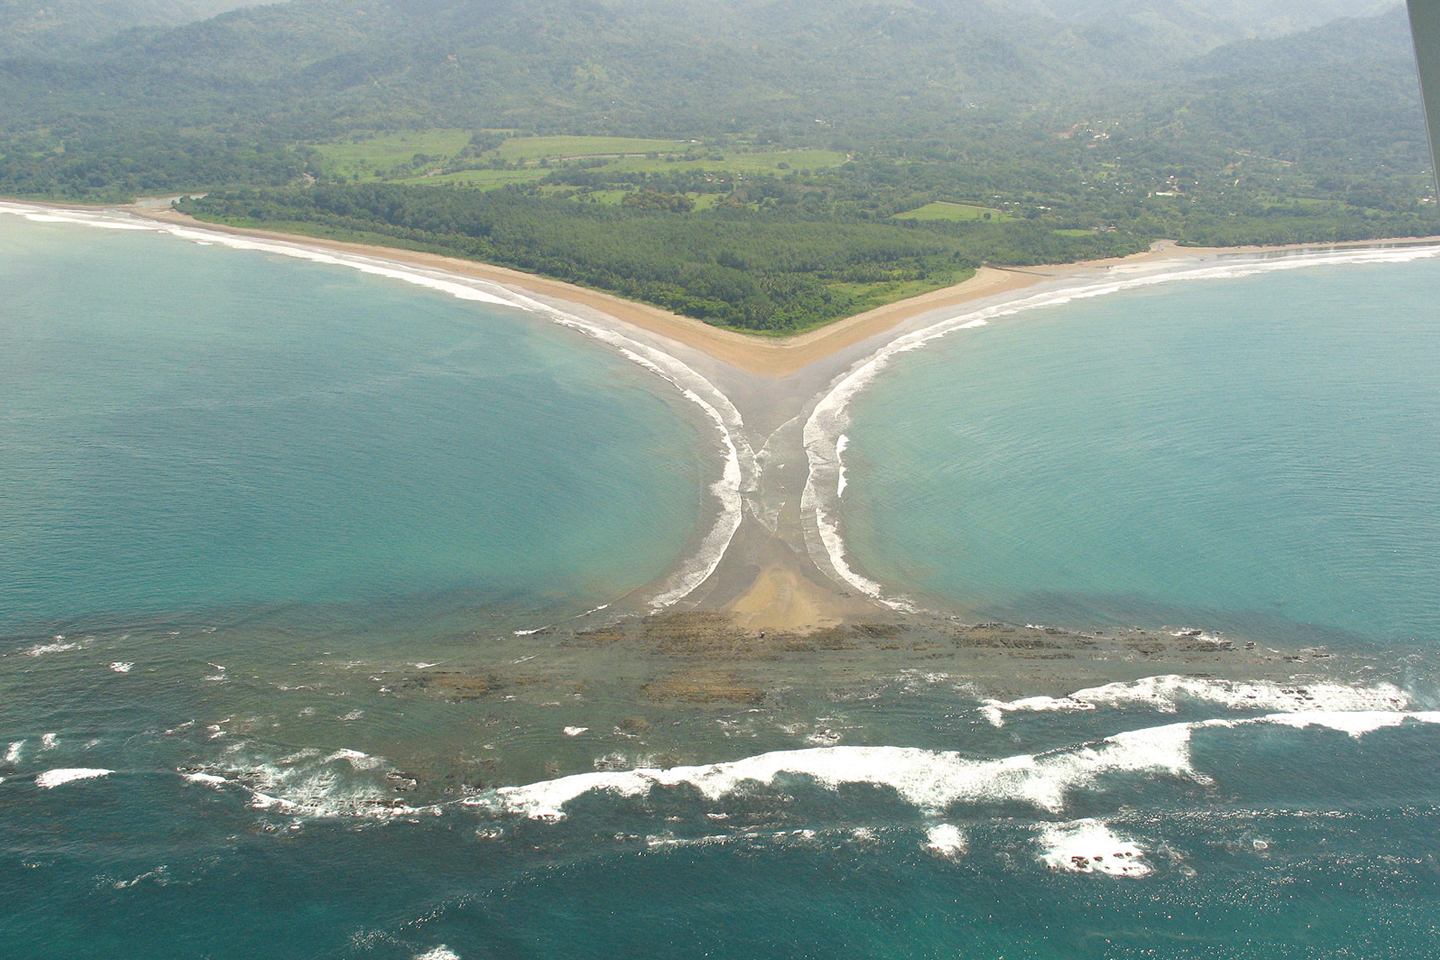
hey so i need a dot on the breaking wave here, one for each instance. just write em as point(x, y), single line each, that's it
point(1165, 693)
point(934, 781)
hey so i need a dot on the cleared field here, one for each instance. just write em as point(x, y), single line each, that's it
point(945, 210)
point(733, 163)
point(374, 156)
point(482, 179)
point(765, 161)
point(870, 295)
point(530, 149)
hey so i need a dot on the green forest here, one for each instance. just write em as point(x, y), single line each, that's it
point(762, 271)
point(769, 166)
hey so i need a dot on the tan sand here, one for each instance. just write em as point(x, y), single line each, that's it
point(767, 356)
point(782, 601)
point(776, 357)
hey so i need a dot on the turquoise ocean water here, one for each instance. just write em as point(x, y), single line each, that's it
point(269, 530)
point(1257, 454)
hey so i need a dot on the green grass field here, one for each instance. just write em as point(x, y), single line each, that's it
point(374, 156)
point(532, 158)
point(483, 179)
point(764, 161)
point(613, 198)
point(945, 210)
point(534, 149)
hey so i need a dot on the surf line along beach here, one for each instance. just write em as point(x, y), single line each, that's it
point(774, 557)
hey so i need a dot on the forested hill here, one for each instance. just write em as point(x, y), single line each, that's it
point(931, 134)
point(653, 67)
point(42, 27)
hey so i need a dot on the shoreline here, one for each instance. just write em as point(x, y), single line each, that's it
point(773, 357)
point(825, 430)
point(776, 357)
point(771, 553)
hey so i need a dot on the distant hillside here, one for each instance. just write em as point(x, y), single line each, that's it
point(1213, 20)
point(791, 68)
point(42, 27)
point(931, 135)
point(1344, 89)
point(983, 79)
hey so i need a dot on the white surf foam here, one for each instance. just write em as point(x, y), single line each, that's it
point(1165, 693)
point(122, 666)
point(575, 731)
point(441, 952)
point(49, 741)
point(927, 779)
point(54, 778)
point(14, 752)
point(729, 491)
point(58, 645)
point(1089, 846)
point(1357, 724)
point(830, 418)
point(158, 876)
point(308, 783)
point(85, 220)
point(739, 468)
point(934, 781)
point(946, 840)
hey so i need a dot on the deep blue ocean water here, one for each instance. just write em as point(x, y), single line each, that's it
point(257, 515)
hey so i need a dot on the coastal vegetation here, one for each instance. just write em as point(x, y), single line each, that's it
point(753, 269)
point(763, 166)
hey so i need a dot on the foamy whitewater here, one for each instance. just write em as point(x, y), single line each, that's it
point(738, 472)
point(56, 778)
point(1165, 693)
point(824, 433)
point(934, 781)
point(1089, 846)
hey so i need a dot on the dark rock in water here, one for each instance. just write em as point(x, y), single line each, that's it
point(452, 685)
point(403, 781)
point(702, 686)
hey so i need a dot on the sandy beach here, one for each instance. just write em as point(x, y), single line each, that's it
point(773, 563)
point(769, 356)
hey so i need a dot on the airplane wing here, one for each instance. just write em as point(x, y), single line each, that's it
point(1425, 25)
